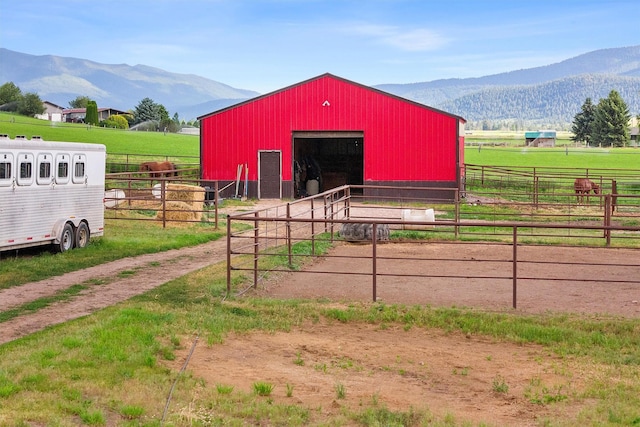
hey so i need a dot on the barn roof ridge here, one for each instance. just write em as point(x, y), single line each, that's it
point(327, 74)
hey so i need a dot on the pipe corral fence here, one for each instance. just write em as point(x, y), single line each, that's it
point(283, 238)
point(510, 209)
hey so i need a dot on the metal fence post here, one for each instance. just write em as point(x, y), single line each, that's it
point(326, 226)
point(256, 247)
point(607, 218)
point(457, 216)
point(215, 202)
point(515, 265)
point(163, 195)
point(130, 192)
point(228, 254)
point(374, 270)
point(347, 202)
point(332, 215)
point(288, 237)
point(313, 230)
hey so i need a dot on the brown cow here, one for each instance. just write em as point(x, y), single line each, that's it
point(584, 186)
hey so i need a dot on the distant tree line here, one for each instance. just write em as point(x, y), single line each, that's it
point(605, 124)
point(147, 115)
point(12, 99)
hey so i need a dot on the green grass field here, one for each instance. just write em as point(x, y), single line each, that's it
point(117, 141)
point(597, 158)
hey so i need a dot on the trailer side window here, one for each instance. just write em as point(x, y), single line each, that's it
point(44, 169)
point(25, 169)
point(79, 168)
point(62, 168)
point(6, 161)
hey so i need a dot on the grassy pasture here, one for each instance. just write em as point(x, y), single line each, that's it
point(116, 140)
point(570, 157)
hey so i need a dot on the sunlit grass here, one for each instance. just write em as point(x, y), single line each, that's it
point(116, 140)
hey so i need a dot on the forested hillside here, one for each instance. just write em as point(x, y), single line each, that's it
point(553, 103)
point(547, 96)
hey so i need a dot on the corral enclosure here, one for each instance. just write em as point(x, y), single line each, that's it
point(497, 251)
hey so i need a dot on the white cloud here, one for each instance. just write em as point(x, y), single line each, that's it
point(413, 40)
point(416, 40)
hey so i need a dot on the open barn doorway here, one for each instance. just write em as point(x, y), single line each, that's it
point(325, 160)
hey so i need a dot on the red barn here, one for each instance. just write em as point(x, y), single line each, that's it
point(328, 131)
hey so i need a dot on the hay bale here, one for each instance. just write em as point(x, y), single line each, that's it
point(179, 211)
point(184, 193)
point(184, 202)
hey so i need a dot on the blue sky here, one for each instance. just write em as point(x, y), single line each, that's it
point(264, 45)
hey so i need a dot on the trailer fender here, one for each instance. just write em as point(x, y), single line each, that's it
point(64, 236)
point(59, 228)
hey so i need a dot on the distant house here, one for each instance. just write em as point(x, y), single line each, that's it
point(52, 112)
point(540, 138)
point(634, 136)
point(77, 115)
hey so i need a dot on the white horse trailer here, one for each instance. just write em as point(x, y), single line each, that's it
point(51, 193)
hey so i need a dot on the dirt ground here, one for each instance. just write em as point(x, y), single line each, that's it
point(400, 369)
point(447, 375)
point(474, 275)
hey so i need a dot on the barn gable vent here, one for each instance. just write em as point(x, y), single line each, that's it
point(326, 103)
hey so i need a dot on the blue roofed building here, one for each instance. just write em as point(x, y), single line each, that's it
point(540, 138)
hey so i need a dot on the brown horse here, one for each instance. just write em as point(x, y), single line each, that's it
point(159, 169)
point(584, 186)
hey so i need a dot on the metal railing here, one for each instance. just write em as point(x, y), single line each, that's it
point(134, 196)
point(276, 233)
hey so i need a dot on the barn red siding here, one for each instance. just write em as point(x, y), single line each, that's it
point(403, 140)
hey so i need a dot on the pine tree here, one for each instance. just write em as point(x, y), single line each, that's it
point(611, 122)
point(582, 123)
point(91, 114)
point(147, 110)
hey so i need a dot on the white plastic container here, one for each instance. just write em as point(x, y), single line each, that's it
point(426, 215)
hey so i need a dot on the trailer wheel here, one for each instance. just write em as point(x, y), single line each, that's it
point(66, 239)
point(82, 235)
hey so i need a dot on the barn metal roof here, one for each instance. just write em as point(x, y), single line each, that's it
point(337, 78)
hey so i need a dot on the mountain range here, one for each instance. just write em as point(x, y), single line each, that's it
point(550, 95)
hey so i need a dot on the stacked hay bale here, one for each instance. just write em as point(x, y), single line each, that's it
point(183, 203)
